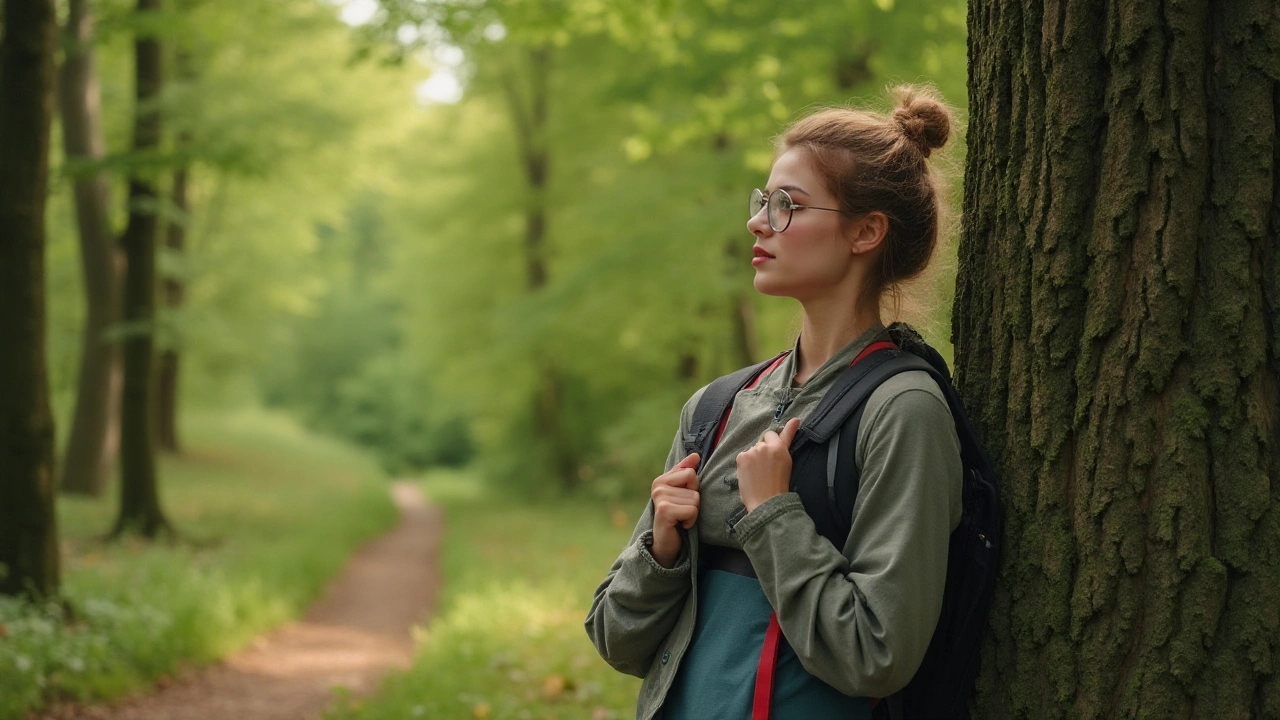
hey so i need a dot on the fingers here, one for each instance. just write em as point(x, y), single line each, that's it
point(675, 494)
point(690, 461)
point(789, 432)
point(684, 478)
point(675, 514)
point(771, 438)
point(682, 475)
point(673, 505)
point(770, 444)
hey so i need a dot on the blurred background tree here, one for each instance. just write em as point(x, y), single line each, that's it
point(29, 560)
point(95, 427)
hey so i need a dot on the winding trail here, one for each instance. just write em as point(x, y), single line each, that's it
point(355, 633)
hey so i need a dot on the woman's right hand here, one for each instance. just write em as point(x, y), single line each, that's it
point(675, 504)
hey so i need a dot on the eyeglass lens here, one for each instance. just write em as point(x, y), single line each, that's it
point(779, 203)
point(757, 201)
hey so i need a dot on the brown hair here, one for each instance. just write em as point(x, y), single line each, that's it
point(873, 162)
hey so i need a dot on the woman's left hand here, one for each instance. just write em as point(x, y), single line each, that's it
point(764, 470)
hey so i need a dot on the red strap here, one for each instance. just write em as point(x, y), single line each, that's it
point(764, 671)
point(882, 345)
point(756, 380)
point(769, 653)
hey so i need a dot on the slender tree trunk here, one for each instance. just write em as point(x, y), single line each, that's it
point(530, 118)
point(95, 429)
point(529, 115)
point(699, 358)
point(742, 312)
point(28, 524)
point(1117, 335)
point(139, 492)
point(687, 368)
point(174, 290)
point(744, 329)
point(175, 243)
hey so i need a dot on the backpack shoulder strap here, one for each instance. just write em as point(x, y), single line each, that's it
point(826, 474)
point(851, 389)
point(715, 403)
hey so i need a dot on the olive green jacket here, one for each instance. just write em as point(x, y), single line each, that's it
point(859, 618)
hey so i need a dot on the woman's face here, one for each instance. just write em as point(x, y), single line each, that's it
point(811, 257)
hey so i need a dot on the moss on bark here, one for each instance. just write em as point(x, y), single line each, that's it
point(1115, 333)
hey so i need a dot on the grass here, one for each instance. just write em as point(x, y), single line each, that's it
point(507, 640)
point(266, 515)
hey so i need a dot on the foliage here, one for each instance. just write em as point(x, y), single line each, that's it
point(282, 130)
point(341, 366)
point(659, 120)
point(268, 514)
point(507, 640)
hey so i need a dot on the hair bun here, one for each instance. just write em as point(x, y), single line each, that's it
point(923, 118)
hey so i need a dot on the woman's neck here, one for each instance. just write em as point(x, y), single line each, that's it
point(827, 328)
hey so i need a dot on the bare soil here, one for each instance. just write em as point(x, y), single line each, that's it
point(358, 631)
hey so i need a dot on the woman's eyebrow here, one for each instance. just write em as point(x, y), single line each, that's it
point(793, 188)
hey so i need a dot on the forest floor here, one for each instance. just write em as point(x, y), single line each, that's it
point(359, 630)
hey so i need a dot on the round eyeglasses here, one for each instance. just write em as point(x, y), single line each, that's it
point(780, 207)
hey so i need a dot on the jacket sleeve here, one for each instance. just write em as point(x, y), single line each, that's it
point(639, 601)
point(861, 620)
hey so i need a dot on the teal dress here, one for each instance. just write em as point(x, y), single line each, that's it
point(716, 678)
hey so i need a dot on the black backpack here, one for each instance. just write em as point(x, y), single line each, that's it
point(825, 476)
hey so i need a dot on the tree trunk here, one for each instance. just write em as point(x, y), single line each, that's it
point(742, 312)
point(175, 242)
point(529, 115)
point(139, 493)
point(28, 524)
point(1117, 337)
point(174, 290)
point(744, 329)
point(95, 429)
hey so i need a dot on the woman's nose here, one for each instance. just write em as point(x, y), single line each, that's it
point(759, 223)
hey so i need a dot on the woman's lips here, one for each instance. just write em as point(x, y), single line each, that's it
point(759, 256)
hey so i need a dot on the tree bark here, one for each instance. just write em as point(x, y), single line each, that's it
point(174, 289)
point(28, 523)
point(1117, 338)
point(139, 491)
point(529, 115)
point(95, 429)
point(174, 292)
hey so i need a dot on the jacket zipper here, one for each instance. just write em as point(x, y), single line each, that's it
point(782, 407)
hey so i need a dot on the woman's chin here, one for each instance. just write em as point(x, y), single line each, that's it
point(766, 285)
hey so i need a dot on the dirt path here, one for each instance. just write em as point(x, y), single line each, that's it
point(355, 633)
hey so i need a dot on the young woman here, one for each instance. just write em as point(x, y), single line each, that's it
point(850, 212)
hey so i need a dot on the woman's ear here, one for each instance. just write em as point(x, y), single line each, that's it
point(868, 233)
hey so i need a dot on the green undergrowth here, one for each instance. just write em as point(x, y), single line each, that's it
point(507, 640)
point(265, 515)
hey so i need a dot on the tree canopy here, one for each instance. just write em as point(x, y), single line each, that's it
point(356, 250)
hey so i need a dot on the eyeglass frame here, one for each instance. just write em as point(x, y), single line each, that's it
point(792, 207)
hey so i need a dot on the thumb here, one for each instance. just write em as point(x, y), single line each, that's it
point(789, 431)
point(690, 461)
